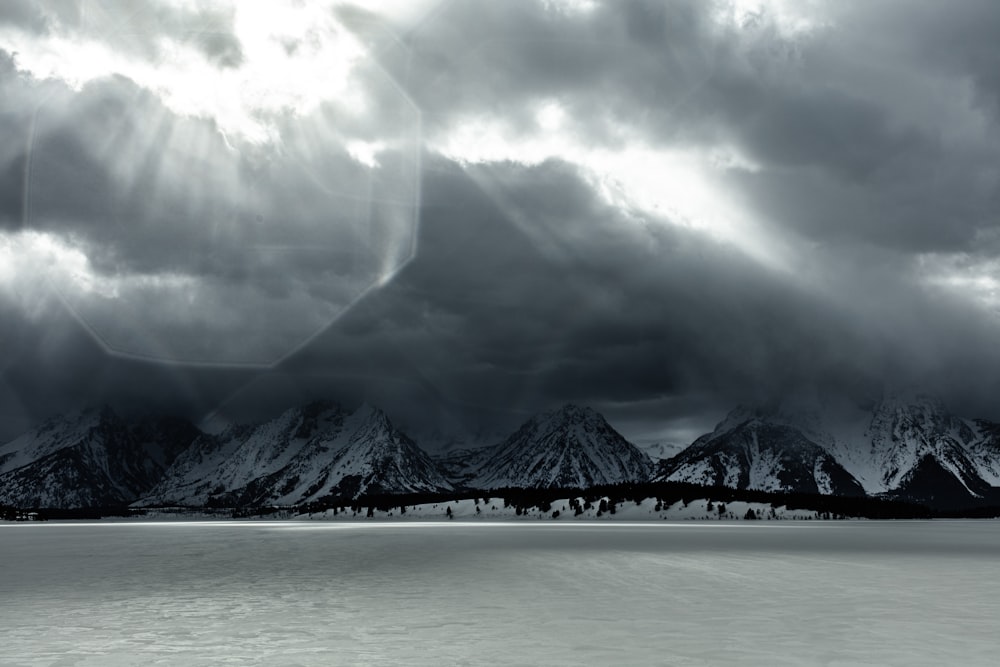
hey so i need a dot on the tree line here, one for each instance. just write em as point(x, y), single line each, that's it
point(602, 499)
point(607, 498)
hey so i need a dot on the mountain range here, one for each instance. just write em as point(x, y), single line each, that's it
point(907, 448)
point(903, 447)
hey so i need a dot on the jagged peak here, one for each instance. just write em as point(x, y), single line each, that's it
point(579, 426)
point(371, 413)
point(312, 412)
point(913, 403)
point(312, 409)
point(744, 413)
point(812, 414)
point(563, 418)
point(573, 409)
point(88, 417)
point(569, 413)
point(912, 410)
point(571, 445)
point(320, 406)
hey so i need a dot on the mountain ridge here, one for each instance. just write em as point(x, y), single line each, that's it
point(910, 448)
point(891, 449)
point(89, 458)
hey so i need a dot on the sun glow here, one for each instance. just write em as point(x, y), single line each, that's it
point(241, 141)
point(365, 152)
point(25, 256)
point(683, 186)
point(974, 280)
point(293, 56)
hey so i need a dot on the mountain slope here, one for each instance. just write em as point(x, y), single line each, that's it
point(89, 459)
point(746, 451)
point(921, 452)
point(906, 447)
point(304, 454)
point(569, 447)
point(219, 464)
point(366, 455)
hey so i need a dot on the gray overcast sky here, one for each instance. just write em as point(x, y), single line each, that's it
point(467, 211)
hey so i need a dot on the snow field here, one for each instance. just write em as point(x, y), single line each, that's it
point(304, 594)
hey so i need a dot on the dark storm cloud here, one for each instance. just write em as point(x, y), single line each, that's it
point(18, 93)
point(853, 114)
point(957, 41)
point(49, 364)
point(274, 240)
point(621, 62)
point(482, 311)
point(487, 317)
point(12, 193)
point(483, 319)
point(103, 156)
point(871, 142)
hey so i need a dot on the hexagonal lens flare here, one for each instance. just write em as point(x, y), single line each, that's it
point(200, 242)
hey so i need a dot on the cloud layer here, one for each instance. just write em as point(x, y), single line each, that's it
point(658, 208)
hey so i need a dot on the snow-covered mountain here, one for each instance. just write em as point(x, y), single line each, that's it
point(920, 451)
point(906, 447)
point(304, 454)
point(569, 447)
point(91, 458)
point(748, 451)
point(910, 447)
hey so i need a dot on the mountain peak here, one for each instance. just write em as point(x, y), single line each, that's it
point(571, 446)
point(319, 406)
point(371, 414)
point(306, 453)
point(838, 445)
point(80, 421)
point(568, 414)
point(913, 403)
point(744, 413)
point(573, 409)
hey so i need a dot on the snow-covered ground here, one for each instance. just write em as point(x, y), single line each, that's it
point(495, 593)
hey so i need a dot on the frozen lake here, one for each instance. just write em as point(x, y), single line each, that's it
point(783, 593)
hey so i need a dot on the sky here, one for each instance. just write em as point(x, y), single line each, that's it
point(468, 211)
